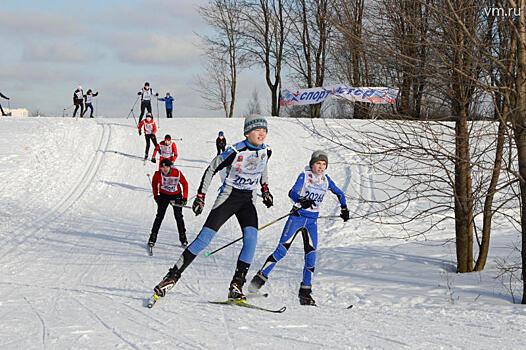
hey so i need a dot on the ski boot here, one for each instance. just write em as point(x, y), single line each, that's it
point(235, 292)
point(305, 295)
point(257, 282)
point(168, 282)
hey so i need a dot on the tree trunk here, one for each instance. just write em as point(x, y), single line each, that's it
point(520, 140)
point(315, 110)
point(275, 100)
point(361, 110)
point(490, 194)
point(519, 126)
point(463, 198)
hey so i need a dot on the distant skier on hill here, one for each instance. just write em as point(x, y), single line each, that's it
point(307, 193)
point(246, 164)
point(78, 101)
point(7, 98)
point(167, 150)
point(87, 98)
point(146, 96)
point(220, 143)
point(168, 104)
point(166, 184)
point(149, 133)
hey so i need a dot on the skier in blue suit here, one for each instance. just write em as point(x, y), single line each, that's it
point(168, 103)
point(307, 193)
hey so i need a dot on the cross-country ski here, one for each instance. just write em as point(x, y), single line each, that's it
point(244, 303)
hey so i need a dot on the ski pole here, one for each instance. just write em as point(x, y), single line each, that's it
point(131, 111)
point(65, 109)
point(158, 124)
point(207, 254)
point(329, 217)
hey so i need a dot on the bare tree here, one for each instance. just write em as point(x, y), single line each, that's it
point(349, 61)
point(224, 47)
point(265, 26)
point(309, 42)
point(514, 96)
point(214, 86)
point(438, 44)
point(410, 29)
point(253, 105)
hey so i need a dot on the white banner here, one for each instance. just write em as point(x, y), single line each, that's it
point(379, 95)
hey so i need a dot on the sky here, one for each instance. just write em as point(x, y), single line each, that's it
point(50, 48)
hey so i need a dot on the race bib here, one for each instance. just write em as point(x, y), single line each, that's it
point(246, 170)
point(169, 183)
point(148, 128)
point(166, 151)
point(314, 187)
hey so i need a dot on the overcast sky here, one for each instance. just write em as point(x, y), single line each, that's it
point(48, 48)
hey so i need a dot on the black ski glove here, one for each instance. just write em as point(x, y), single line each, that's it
point(156, 199)
point(184, 202)
point(140, 133)
point(344, 214)
point(268, 199)
point(199, 204)
point(306, 203)
point(156, 94)
point(154, 160)
point(139, 93)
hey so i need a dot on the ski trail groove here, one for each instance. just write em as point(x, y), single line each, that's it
point(106, 325)
point(69, 199)
point(42, 322)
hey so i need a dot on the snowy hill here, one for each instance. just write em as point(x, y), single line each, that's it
point(77, 210)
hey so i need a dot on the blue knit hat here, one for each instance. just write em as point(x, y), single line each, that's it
point(254, 122)
point(221, 133)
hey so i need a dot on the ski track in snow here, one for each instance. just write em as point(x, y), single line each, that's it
point(23, 234)
point(75, 273)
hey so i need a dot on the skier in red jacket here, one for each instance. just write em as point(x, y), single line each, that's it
point(166, 184)
point(167, 150)
point(149, 133)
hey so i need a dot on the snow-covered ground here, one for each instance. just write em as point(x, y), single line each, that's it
point(77, 209)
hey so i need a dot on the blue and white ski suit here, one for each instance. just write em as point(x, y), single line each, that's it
point(312, 186)
point(246, 171)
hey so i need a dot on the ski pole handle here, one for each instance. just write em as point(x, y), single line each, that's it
point(179, 205)
point(207, 254)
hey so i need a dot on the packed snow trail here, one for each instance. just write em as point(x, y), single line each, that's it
point(77, 210)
